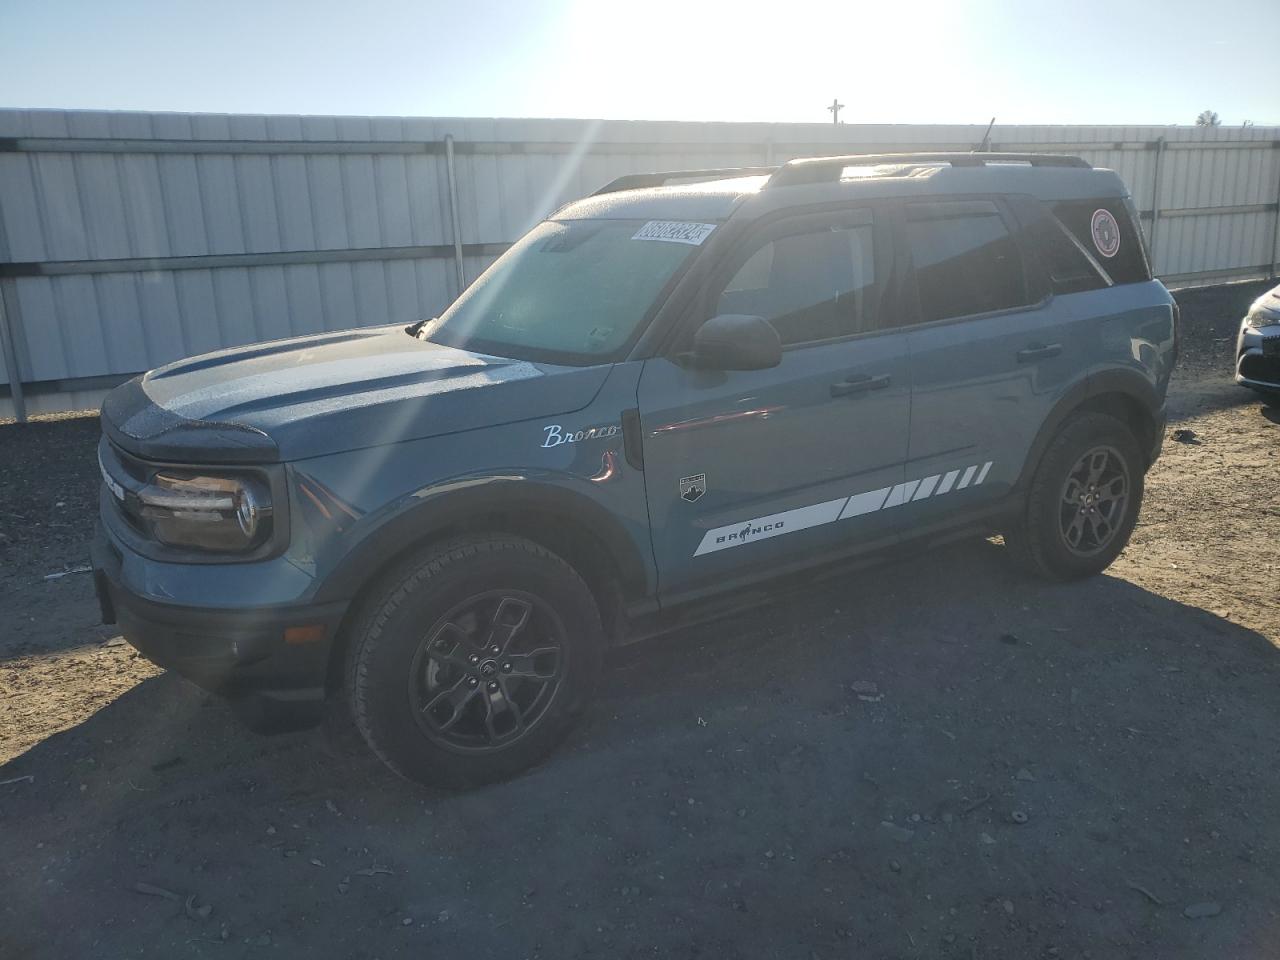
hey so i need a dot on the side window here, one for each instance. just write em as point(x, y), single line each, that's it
point(1108, 229)
point(965, 260)
point(1070, 267)
point(813, 285)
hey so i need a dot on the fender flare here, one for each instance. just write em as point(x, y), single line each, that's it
point(1123, 382)
point(434, 511)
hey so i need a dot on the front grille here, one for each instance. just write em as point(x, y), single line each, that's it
point(1264, 369)
point(123, 474)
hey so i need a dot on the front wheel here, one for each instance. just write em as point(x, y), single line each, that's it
point(1083, 501)
point(474, 660)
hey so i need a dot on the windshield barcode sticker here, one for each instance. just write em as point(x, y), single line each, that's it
point(675, 231)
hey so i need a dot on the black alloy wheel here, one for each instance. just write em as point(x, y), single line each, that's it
point(486, 673)
point(1082, 499)
point(471, 659)
point(1095, 497)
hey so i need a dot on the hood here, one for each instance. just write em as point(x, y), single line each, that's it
point(1268, 304)
point(311, 396)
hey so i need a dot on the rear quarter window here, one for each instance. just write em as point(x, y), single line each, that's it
point(1108, 229)
point(1068, 264)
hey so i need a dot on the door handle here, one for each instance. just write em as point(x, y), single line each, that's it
point(860, 384)
point(1038, 351)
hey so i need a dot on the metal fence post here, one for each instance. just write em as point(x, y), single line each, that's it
point(11, 363)
point(1155, 203)
point(453, 213)
point(1275, 230)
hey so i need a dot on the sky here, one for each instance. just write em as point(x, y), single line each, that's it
point(896, 61)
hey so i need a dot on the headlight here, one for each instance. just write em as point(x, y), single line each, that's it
point(1261, 318)
point(208, 513)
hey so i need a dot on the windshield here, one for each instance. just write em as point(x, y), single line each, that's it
point(575, 291)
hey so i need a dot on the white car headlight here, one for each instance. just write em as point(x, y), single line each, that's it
point(1261, 318)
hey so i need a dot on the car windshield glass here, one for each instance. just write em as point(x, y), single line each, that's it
point(574, 291)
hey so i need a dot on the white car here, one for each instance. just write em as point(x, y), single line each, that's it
point(1258, 345)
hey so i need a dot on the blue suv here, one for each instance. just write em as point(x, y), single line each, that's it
point(683, 385)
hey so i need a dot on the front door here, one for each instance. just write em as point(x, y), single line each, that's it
point(748, 470)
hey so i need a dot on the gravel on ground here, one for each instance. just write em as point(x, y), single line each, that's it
point(935, 757)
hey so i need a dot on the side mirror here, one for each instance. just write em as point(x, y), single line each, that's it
point(735, 341)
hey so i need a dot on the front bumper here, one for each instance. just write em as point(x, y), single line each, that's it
point(1258, 357)
point(239, 653)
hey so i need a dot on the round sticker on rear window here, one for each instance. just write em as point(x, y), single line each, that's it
point(1106, 233)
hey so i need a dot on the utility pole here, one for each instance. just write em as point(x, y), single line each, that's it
point(835, 108)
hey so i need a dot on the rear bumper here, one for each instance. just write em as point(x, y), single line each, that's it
point(241, 654)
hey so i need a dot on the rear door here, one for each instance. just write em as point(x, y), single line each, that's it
point(749, 470)
point(991, 354)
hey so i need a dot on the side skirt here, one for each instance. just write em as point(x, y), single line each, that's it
point(646, 618)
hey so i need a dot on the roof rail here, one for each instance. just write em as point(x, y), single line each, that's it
point(829, 169)
point(637, 181)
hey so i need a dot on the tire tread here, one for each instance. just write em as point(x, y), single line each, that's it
point(402, 581)
point(1027, 540)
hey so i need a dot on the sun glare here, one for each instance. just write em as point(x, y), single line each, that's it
point(733, 61)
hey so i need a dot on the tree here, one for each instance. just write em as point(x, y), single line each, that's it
point(1207, 118)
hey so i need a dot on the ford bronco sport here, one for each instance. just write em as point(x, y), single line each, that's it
point(682, 385)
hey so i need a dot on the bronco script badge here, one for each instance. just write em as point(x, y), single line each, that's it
point(556, 436)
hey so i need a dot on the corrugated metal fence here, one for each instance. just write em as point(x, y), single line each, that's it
point(131, 239)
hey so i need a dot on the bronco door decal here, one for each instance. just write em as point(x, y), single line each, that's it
point(870, 501)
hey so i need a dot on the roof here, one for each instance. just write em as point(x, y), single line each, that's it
point(825, 179)
point(706, 200)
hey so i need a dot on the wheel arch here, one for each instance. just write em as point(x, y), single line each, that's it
point(1123, 394)
point(571, 525)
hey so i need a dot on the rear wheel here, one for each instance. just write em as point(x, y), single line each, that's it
point(1083, 501)
point(474, 661)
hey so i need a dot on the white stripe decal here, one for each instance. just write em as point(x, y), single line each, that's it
point(818, 514)
point(897, 496)
point(926, 487)
point(774, 525)
point(861, 503)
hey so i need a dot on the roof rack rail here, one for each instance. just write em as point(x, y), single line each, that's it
point(637, 181)
point(829, 169)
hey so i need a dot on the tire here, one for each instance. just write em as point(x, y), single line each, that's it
point(1060, 506)
point(427, 691)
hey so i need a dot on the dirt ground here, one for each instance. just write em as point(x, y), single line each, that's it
point(1039, 770)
